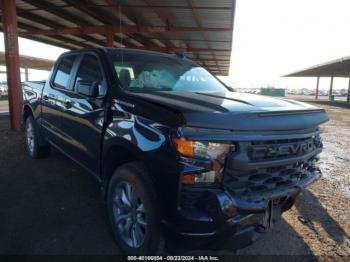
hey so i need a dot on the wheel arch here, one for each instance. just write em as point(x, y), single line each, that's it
point(116, 154)
point(27, 111)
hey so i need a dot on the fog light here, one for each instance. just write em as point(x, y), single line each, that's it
point(191, 179)
point(207, 177)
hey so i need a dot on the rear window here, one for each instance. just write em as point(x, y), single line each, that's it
point(64, 69)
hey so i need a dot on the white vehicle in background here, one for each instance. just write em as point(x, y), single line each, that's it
point(3, 90)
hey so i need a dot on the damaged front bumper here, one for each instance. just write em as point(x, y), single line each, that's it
point(226, 222)
point(253, 194)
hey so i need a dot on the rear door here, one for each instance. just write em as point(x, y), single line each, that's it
point(52, 104)
point(83, 118)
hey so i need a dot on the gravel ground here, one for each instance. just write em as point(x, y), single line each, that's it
point(52, 206)
point(4, 104)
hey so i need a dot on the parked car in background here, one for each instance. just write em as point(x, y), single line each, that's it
point(306, 92)
point(343, 92)
point(3, 89)
point(172, 148)
point(323, 93)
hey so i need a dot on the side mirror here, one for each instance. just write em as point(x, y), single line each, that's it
point(90, 89)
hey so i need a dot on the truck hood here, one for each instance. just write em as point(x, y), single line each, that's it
point(238, 111)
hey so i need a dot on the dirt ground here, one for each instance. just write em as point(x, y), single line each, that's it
point(312, 97)
point(52, 206)
point(4, 107)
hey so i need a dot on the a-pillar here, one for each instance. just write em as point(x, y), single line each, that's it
point(9, 19)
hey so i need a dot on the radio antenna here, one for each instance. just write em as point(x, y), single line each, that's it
point(121, 33)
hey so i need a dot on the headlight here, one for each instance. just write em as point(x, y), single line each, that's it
point(202, 149)
point(216, 152)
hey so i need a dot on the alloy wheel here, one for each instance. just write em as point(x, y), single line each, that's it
point(129, 215)
point(30, 137)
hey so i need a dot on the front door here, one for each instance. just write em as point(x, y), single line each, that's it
point(83, 117)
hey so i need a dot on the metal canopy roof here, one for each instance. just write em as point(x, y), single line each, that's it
point(202, 29)
point(30, 62)
point(335, 68)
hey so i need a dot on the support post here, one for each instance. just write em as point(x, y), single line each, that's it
point(330, 89)
point(9, 18)
point(317, 87)
point(110, 37)
point(26, 73)
point(348, 98)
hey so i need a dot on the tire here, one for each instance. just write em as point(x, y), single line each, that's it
point(32, 140)
point(133, 211)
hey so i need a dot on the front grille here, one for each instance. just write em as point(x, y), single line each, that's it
point(266, 173)
point(276, 149)
point(264, 181)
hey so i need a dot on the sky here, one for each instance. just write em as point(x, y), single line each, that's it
point(33, 48)
point(271, 38)
point(276, 37)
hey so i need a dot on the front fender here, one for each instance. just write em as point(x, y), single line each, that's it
point(131, 138)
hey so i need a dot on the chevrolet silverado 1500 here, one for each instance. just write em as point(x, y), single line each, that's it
point(173, 149)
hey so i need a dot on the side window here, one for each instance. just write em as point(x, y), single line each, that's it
point(64, 69)
point(90, 72)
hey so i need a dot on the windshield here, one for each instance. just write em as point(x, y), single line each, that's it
point(146, 72)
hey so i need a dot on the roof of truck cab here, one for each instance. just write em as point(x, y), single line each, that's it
point(129, 50)
point(147, 52)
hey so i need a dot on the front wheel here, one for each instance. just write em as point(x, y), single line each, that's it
point(133, 211)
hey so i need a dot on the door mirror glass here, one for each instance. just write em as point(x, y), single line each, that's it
point(90, 89)
point(89, 80)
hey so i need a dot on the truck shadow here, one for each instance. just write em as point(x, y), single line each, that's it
point(281, 240)
point(311, 210)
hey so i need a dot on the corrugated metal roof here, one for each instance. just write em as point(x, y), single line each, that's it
point(337, 68)
point(30, 62)
point(210, 48)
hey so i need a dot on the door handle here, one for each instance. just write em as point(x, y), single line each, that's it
point(68, 104)
point(45, 97)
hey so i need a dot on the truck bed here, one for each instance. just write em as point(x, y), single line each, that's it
point(36, 85)
point(32, 91)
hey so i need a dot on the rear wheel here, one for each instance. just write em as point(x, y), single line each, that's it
point(133, 211)
point(32, 140)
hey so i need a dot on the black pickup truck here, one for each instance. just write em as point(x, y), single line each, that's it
point(173, 149)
